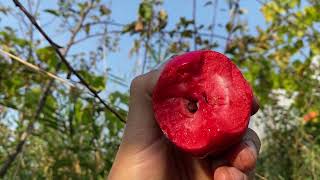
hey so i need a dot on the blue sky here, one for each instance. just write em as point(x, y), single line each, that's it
point(176, 9)
point(125, 11)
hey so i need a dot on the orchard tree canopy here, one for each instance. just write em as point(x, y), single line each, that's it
point(66, 67)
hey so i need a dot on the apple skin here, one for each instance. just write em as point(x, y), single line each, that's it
point(202, 103)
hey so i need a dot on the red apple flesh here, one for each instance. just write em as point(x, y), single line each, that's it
point(202, 102)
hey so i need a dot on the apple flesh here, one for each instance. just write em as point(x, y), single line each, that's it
point(202, 102)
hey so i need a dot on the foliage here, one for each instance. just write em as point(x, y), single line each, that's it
point(76, 137)
point(281, 64)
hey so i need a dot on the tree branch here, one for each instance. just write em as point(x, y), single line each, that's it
point(214, 19)
point(88, 37)
point(24, 136)
point(36, 68)
point(162, 31)
point(146, 46)
point(34, 22)
point(63, 59)
point(235, 9)
point(104, 23)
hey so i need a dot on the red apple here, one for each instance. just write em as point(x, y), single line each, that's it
point(202, 102)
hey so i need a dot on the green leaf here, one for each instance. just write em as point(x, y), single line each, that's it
point(208, 3)
point(294, 3)
point(99, 83)
point(146, 11)
point(4, 10)
point(129, 27)
point(185, 23)
point(32, 97)
point(52, 12)
point(299, 44)
point(229, 27)
point(104, 10)
point(21, 42)
point(48, 55)
point(96, 82)
point(242, 11)
point(87, 116)
point(187, 33)
point(163, 19)
point(271, 10)
point(87, 28)
point(95, 18)
point(238, 27)
point(163, 16)
point(83, 6)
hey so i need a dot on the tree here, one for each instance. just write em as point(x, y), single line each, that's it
point(49, 128)
point(281, 64)
point(79, 135)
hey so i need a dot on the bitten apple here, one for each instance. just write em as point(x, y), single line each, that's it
point(202, 102)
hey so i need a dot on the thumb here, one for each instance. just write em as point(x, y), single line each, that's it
point(141, 128)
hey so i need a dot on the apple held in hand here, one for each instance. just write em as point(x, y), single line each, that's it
point(202, 102)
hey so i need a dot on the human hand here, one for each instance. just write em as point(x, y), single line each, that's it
point(145, 154)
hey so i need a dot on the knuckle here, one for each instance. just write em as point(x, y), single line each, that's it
point(136, 84)
point(248, 159)
point(144, 83)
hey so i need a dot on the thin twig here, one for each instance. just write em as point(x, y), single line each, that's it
point(145, 56)
point(195, 29)
point(146, 46)
point(260, 176)
point(214, 19)
point(234, 9)
point(34, 22)
point(90, 36)
point(113, 23)
point(37, 69)
point(63, 59)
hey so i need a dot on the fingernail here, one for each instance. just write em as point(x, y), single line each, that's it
point(252, 146)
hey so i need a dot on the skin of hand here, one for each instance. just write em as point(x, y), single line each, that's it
point(145, 154)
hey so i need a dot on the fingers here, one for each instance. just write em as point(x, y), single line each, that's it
point(245, 155)
point(240, 162)
point(255, 105)
point(229, 173)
